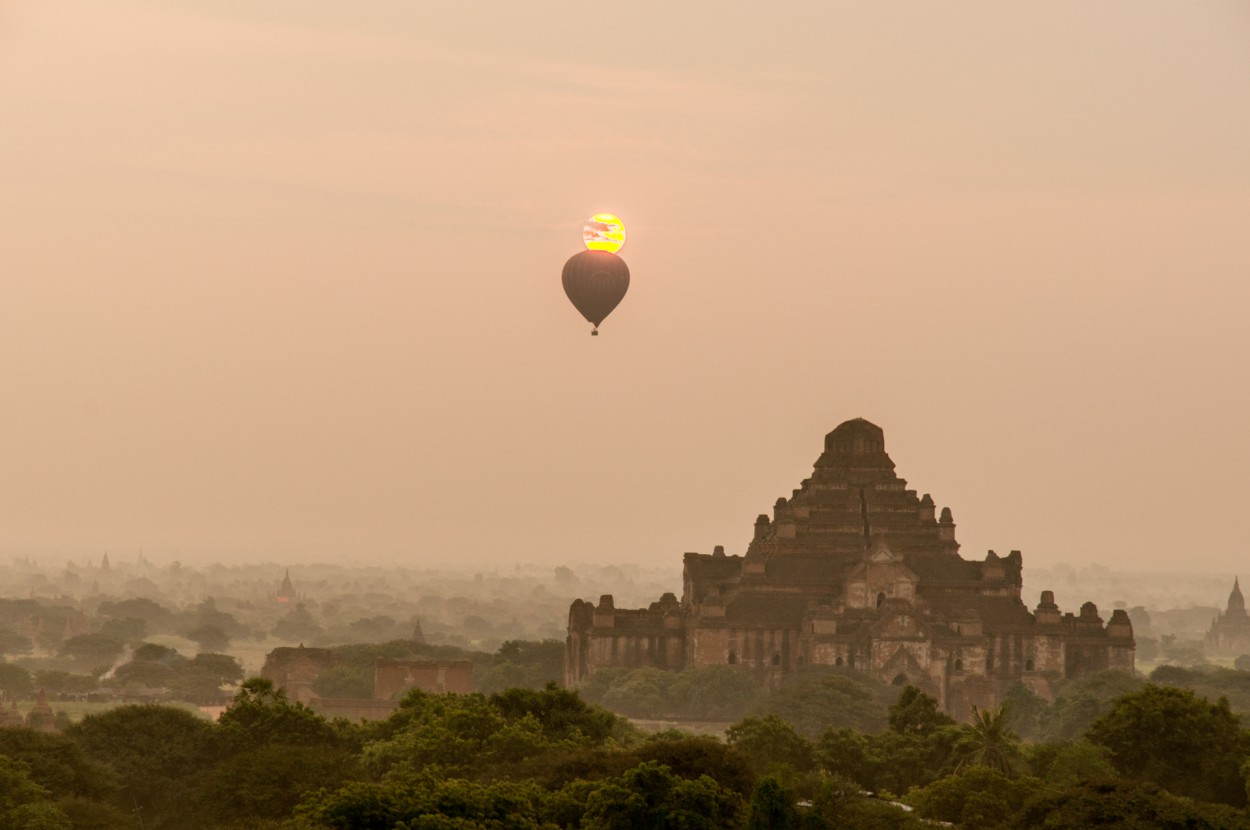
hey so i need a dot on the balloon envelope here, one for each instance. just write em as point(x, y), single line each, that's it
point(595, 282)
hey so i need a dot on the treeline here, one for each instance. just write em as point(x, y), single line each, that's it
point(1158, 756)
point(813, 699)
point(818, 697)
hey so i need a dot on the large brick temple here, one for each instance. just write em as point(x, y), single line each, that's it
point(856, 570)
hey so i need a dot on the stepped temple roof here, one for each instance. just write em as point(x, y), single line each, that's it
point(853, 498)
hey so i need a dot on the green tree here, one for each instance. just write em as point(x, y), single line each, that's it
point(15, 682)
point(157, 653)
point(92, 649)
point(259, 690)
point(454, 735)
point(127, 629)
point(152, 666)
point(772, 807)
point(60, 682)
point(144, 674)
point(522, 664)
point(210, 638)
point(600, 682)
point(838, 803)
point(1124, 804)
point(429, 804)
point(298, 625)
point(561, 714)
point(157, 752)
point(651, 796)
point(207, 615)
point(1070, 764)
point(1026, 711)
point(58, 764)
point(715, 693)
point(892, 761)
point(989, 742)
point(916, 713)
point(1172, 738)
point(848, 754)
point(1173, 675)
point(88, 814)
point(642, 693)
point(1083, 701)
point(901, 761)
point(771, 745)
point(261, 715)
point(200, 679)
point(690, 756)
point(1182, 652)
point(223, 667)
point(819, 698)
point(158, 618)
point(374, 629)
point(1211, 683)
point(37, 816)
point(975, 798)
point(268, 781)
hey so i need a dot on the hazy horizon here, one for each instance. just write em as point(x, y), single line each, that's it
point(284, 282)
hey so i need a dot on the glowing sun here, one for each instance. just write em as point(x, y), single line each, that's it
point(604, 232)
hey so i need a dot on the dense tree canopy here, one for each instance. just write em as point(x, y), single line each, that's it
point(705, 693)
point(156, 618)
point(976, 797)
point(157, 753)
point(1172, 738)
point(91, 650)
point(24, 805)
point(544, 759)
point(1123, 804)
point(771, 744)
point(821, 697)
point(15, 682)
point(917, 713)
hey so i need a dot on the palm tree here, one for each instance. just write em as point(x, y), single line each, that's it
point(989, 742)
point(260, 691)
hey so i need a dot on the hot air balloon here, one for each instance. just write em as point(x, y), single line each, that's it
point(596, 279)
point(595, 282)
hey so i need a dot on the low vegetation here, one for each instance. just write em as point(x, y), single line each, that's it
point(520, 759)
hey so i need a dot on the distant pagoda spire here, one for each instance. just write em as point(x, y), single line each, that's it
point(286, 592)
point(1235, 599)
point(41, 717)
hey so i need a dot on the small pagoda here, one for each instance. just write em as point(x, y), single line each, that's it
point(1230, 632)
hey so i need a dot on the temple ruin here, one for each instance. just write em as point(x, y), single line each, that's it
point(856, 570)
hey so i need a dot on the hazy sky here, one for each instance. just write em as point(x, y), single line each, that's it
point(282, 279)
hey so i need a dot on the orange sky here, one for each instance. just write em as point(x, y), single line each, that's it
point(282, 280)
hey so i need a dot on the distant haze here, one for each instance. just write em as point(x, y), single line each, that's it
point(282, 280)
